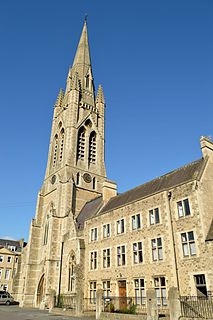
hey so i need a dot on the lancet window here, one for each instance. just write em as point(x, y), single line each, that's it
point(92, 147)
point(81, 144)
point(46, 231)
point(71, 280)
point(55, 150)
point(61, 144)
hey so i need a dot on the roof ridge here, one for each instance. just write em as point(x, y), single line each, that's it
point(166, 174)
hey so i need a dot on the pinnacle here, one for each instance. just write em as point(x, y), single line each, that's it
point(60, 98)
point(100, 95)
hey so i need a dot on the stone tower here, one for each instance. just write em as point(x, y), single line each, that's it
point(75, 174)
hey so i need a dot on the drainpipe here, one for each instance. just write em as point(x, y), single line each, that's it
point(169, 194)
point(60, 272)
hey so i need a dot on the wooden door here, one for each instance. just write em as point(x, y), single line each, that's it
point(122, 294)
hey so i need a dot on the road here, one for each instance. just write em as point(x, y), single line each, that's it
point(16, 313)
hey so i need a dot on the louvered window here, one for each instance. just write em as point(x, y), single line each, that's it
point(81, 144)
point(61, 144)
point(92, 147)
point(55, 150)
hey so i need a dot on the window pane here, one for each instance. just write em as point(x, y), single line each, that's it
point(191, 235)
point(151, 217)
point(186, 207)
point(180, 209)
point(157, 220)
point(192, 248)
point(185, 249)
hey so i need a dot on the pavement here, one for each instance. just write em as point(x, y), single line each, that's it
point(17, 313)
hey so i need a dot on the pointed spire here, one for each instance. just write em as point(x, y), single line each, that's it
point(60, 98)
point(82, 55)
point(100, 95)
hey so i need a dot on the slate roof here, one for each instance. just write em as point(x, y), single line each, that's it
point(88, 211)
point(210, 233)
point(4, 243)
point(174, 178)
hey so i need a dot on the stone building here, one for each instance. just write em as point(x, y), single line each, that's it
point(10, 252)
point(84, 236)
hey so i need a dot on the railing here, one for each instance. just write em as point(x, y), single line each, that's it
point(134, 305)
point(66, 301)
point(197, 306)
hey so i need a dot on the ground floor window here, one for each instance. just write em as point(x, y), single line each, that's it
point(160, 290)
point(106, 289)
point(200, 282)
point(92, 294)
point(140, 291)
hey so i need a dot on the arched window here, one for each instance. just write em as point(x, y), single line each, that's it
point(46, 231)
point(61, 144)
point(92, 147)
point(55, 150)
point(71, 279)
point(81, 144)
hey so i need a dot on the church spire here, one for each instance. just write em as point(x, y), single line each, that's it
point(82, 67)
point(82, 56)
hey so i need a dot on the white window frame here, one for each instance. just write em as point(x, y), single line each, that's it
point(137, 251)
point(183, 209)
point(94, 234)
point(120, 226)
point(106, 289)
point(106, 230)
point(157, 249)
point(93, 260)
point(140, 292)
point(106, 258)
point(1, 259)
point(188, 245)
point(136, 221)
point(121, 255)
point(92, 292)
point(153, 213)
point(160, 290)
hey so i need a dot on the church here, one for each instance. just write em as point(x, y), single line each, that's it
point(86, 237)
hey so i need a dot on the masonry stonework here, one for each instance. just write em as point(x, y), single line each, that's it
point(86, 238)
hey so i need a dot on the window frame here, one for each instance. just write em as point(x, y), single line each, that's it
point(120, 226)
point(161, 289)
point(121, 256)
point(107, 227)
point(188, 244)
point(157, 249)
point(183, 208)
point(135, 222)
point(106, 258)
point(93, 262)
point(137, 254)
point(94, 234)
point(156, 213)
point(140, 291)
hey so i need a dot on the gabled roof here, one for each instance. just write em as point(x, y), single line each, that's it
point(210, 233)
point(174, 178)
point(88, 211)
point(170, 180)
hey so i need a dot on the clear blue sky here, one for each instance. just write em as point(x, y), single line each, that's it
point(155, 62)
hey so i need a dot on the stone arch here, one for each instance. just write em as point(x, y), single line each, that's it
point(40, 291)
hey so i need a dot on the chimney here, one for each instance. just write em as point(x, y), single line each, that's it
point(206, 146)
point(109, 190)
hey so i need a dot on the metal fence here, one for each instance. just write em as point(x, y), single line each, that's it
point(197, 306)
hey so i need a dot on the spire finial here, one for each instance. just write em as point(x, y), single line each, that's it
point(85, 17)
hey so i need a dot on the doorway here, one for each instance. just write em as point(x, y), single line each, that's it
point(122, 294)
point(40, 291)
